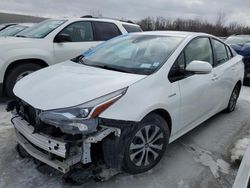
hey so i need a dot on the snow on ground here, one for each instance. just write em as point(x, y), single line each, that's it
point(241, 144)
point(240, 148)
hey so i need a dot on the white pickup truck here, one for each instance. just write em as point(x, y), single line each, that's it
point(53, 41)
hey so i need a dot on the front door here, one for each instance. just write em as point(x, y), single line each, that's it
point(81, 39)
point(198, 96)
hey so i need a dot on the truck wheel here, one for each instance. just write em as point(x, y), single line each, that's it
point(146, 145)
point(17, 74)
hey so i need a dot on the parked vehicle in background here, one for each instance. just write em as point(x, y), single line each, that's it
point(14, 29)
point(222, 38)
point(5, 25)
point(125, 100)
point(243, 176)
point(241, 44)
point(53, 41)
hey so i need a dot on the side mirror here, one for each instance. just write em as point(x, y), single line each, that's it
point(199, 67)
point(61, 37)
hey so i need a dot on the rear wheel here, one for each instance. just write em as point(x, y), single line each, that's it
point(17, 74)
point(233, 99)
point(146, 145)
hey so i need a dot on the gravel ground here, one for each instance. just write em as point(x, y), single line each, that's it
point(199, 159)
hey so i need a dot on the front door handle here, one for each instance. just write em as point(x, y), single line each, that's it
point(215, 77)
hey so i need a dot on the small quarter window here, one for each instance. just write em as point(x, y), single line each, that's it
point(132, 28)
point(229, 52)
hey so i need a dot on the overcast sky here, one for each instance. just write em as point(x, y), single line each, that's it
point(235, 10)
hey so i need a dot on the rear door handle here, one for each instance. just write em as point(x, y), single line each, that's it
point(233, 67)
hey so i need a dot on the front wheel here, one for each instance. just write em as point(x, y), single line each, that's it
point(233, 99)
point(146, 144)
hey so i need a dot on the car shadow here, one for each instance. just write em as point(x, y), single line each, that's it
point(4, 99)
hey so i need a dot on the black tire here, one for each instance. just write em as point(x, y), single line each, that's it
point(21, 151)
point(233, 99)
point(145, 160)
point(15, 73)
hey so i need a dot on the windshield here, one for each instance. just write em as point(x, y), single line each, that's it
point(138, 54)
point(238, 40)
point(2, 26)
point(42, 29)
point(12, 30)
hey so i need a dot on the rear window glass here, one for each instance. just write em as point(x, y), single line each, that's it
point(105, 31)
point(132, 28)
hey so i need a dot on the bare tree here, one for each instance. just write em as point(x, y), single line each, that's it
point(221, 19)
point(197, 25)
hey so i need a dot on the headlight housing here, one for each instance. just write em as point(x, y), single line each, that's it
point(81, 118)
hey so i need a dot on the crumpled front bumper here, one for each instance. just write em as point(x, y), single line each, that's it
point(40, 146)
point(43, 147)
point(42, 141)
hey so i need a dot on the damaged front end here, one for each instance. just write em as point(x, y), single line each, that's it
point(67, 137)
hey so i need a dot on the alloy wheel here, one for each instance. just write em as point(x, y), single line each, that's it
point(146, 146)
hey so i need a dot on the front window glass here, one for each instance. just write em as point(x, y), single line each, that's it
point(42, 29)
point(139, 54)
point(79, 32)
point(199, 49)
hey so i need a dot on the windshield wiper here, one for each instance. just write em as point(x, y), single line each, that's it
point(109, 68)
point(23, 36)
point(81, 59)
point(78, 59)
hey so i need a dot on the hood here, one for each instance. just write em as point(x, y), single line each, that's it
point(242, 49)
point(7, 43)
point(13, 40)
point(69, 84)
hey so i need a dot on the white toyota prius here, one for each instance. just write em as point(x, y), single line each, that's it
point(124, 101)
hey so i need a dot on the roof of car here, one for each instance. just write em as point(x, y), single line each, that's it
point(174, 33)
point(101, 19)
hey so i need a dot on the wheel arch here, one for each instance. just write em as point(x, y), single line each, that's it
point(165, 115)
point(16, 63)
point(239, 83)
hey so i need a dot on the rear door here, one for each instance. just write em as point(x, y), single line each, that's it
point(223, 73)
point(82, 38)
